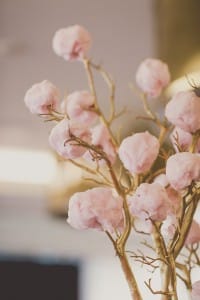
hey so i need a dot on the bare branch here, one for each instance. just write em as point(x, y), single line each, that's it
point(148, 284)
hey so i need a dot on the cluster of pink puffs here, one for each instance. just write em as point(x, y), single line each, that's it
point(101, 208)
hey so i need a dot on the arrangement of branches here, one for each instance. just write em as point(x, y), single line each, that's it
point(134, 191)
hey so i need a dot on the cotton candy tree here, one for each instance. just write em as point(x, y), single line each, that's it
point(133, 191)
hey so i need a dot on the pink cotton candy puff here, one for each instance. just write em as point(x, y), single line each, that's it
point(184, 110)
point(42, 97)
point(152, 76)
point(79, 107)
point(61, 133)
point(72, 43)
point(101, 138)
point(139, 151)
point(184, 140)
point(182, 168)
point(149, 201)
point(97, 208)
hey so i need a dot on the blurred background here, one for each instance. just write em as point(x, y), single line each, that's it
point(41, 257)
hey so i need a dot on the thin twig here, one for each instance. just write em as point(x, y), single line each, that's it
point(148, 285)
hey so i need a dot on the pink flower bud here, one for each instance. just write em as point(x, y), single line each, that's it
point(61, 134)
point(139, 151)
point(97, 208)
point(194, 234)
point(184, 140)
point(42, 97)
point(152, 76)
point(79, 107)
point(183, 111)
point(196, 291)
point(101, 138)
point(72, 43)
point(149, 201)
point(182, 168)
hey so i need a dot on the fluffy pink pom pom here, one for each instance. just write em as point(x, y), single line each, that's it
point(97, 208)
point(194, 234)
point(184, 139)
point(72, 43)
point(183, 111)
point(196, 291)
point(42, 97)
point(182, 168)
point(60, 134)
point(139, 151)
point(152, 76)
point(149, 201)
point(101, 138)
point(78, 107)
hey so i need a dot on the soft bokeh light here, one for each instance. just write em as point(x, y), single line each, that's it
point(184, 83)
point(26, 166)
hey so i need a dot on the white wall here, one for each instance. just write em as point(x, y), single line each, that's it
point(122, 34)
point(102, 279)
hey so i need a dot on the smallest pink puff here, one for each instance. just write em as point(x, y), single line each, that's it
point(101, 138)
point(152, 76)
point(72, 43)
point(79, 107)
point(42, 97)
point(194, 234)
point(183, 138)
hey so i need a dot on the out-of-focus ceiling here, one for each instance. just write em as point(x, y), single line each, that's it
point(122, 36)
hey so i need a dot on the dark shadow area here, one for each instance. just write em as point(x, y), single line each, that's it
point(29, 280)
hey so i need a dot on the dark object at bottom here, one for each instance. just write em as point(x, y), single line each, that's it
point(26, 280)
